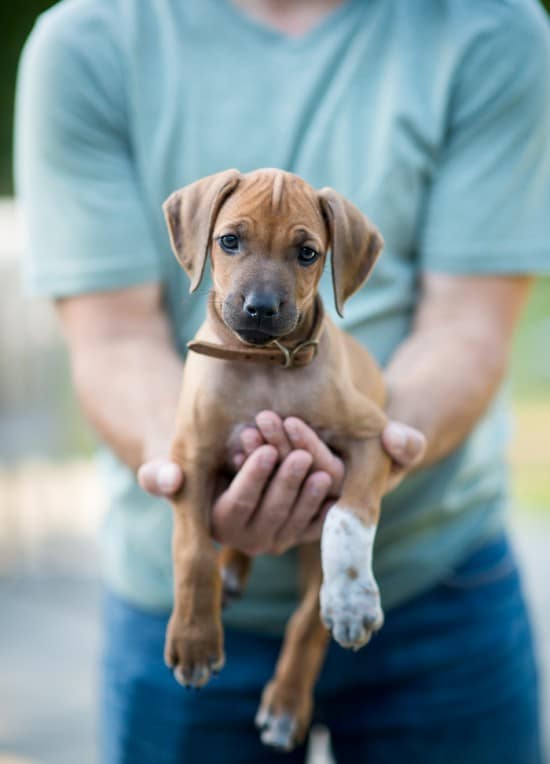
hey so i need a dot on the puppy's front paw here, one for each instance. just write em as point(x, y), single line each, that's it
point(194, 653)
point(351, 610)
point(350, 601)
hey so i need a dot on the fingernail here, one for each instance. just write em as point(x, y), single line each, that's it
point(395, 436)
point(168, 477)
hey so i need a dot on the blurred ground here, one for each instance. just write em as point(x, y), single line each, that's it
point(48, 650)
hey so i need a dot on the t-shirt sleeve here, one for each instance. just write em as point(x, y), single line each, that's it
point(488, 206)
point(85, 222)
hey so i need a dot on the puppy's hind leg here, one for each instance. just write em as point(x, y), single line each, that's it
point(286, 707)
point(234, 568)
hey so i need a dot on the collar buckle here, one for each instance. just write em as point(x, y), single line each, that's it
point(289, 356)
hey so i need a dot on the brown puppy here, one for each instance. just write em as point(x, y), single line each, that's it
point(266, 344)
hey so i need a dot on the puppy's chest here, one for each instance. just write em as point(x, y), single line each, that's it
point(243, 391)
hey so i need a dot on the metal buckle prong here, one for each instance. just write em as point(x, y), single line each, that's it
point(288, 356)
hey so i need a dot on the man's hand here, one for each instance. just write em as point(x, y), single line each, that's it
point(406, 446)
point(287, 480)
point(282, 492)
point(160, 477)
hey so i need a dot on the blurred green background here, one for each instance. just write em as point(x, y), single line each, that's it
point(531, 361)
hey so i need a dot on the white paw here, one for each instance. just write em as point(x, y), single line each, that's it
point(351, 610)
point(350, 601)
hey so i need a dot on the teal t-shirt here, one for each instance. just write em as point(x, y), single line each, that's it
point(433, 116)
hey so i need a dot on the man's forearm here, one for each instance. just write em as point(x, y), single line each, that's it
point(442, 385)
point(126, 370)
point(444, 376)
point(129, 391)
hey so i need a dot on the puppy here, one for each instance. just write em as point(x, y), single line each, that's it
point(266, 344)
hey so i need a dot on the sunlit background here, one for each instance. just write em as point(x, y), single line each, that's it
point(51, 504)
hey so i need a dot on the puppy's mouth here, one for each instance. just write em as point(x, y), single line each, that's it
point(254, 336)
point(257, 331)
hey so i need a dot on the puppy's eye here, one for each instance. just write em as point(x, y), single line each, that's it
point(229, 243)
point(307, 256)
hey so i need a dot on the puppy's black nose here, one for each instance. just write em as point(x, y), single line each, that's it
point(262, 305)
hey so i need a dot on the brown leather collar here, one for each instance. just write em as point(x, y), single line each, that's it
point(275, 353)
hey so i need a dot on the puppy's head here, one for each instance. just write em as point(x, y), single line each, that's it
point(268, 234)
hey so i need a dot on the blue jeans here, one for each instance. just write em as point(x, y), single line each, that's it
point(450, 678)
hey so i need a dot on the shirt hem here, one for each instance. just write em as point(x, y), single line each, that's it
point(480, 260)
point(98, 281)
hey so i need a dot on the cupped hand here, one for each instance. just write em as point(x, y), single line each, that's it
point(279, 498)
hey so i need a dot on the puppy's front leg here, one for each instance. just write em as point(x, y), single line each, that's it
point(194, 639)
point(350, 600)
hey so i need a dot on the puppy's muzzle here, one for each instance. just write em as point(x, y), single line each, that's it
point(259, 316)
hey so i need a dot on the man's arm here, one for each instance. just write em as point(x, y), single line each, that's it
point(126, 371)
point(443, 377)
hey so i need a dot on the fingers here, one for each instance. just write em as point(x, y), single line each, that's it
point(302, 436)
point(160, 477)
point(234, 508)
point(258, 504)
point(406, 445)
point(280, 497)
point(251, 440)
point(314, 530)
point(264, 511)
point(303, 520)
point(241, 444)
point(271, 428)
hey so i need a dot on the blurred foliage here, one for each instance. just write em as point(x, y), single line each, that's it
point(16, 21)
point(530, 453)
point(531, 358)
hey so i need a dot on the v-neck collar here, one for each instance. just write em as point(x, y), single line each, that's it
point(266, 33)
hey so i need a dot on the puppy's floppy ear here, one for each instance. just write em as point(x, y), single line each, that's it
point(191, 214)
point(355, 243)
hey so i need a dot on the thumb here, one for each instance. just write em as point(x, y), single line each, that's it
point(160, 477)
point(406, 445)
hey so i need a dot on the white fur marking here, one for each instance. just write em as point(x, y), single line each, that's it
point(350, 602)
